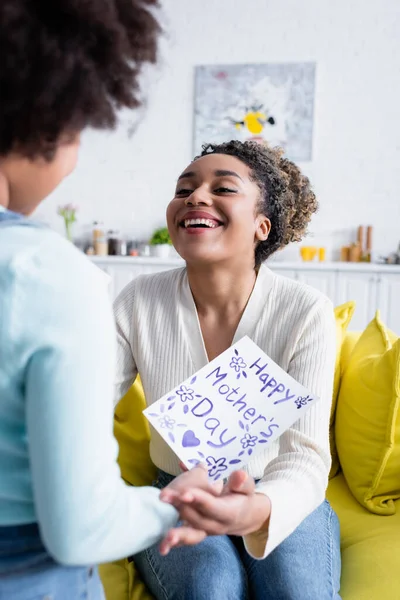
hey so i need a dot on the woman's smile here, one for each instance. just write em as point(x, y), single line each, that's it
point(197, 222)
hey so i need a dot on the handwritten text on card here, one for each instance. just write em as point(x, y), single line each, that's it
point(226, 412)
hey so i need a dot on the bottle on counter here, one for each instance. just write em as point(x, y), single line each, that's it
point(368, 253)
point(98, 231)
point(360, 240)
point(355, 252)
point(344, 253)
point(100, 244)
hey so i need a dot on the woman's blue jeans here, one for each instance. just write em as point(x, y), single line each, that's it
point(305, 566)
point(28, 573)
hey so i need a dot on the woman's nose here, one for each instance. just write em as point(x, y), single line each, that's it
point(198, 198)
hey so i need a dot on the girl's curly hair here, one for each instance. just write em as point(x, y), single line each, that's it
point(286, 195)
point(68, 64)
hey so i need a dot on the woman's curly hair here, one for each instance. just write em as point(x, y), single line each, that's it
point(68, 64)
point(286, 195)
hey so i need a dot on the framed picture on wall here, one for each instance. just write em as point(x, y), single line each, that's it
point(260, 102)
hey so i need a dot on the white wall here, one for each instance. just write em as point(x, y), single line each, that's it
point(356, 164)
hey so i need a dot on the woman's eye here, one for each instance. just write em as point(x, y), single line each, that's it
point(183, 192)
point(225, 190)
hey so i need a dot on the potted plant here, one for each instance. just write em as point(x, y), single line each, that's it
point(160, 243)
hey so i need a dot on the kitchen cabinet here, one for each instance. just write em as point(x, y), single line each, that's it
point(121, 274)
point(388, 300)
point(362, 288)
point(370, 286)
point(324, 281)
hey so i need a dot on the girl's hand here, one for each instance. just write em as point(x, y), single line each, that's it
point(178, 491)
point(180, 488)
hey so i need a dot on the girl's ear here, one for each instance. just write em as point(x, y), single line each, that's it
point(263, 227)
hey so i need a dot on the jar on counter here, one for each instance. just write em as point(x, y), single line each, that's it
point(98, 232)
point(101, 247)
point(100, 244)
point(116, 245)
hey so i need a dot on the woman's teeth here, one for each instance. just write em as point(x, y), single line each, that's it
point(200, 223)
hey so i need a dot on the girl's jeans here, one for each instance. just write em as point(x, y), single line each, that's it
point(27, 572)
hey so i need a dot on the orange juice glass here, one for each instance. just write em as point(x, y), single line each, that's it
point(305, 253)
point(321, 254)
point(313, 252)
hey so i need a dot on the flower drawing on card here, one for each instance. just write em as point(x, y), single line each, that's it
point(248, 441)
point(216, 466)
point(166, 422)
point(185, 394)
point(238, 364)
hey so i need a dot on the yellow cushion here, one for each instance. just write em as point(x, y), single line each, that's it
point(348, 346)
point(132, 431)
point(120, 579)
point(343, 315)
point(370, 547)
point(367, 426)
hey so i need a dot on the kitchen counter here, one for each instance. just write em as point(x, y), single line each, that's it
point(174, 262)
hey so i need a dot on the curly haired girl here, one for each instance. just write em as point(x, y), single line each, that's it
point(65, 65)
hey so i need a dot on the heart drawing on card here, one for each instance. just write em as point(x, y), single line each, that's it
point(189, 440)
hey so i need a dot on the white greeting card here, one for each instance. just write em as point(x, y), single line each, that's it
point(228, 411)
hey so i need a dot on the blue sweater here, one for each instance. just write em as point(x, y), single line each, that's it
point(57, 367)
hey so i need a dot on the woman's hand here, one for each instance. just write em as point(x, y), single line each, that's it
point(238, 510)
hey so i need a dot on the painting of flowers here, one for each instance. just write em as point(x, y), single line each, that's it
point(271, 103)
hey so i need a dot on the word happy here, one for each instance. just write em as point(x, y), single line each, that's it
point(204, 407)
point(269, 383)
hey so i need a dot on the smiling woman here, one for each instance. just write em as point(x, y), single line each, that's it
point(233, 207)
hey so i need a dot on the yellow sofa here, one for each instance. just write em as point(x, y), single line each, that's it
point(370, 542)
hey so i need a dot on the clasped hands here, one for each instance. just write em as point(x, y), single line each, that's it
point(207, 508)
